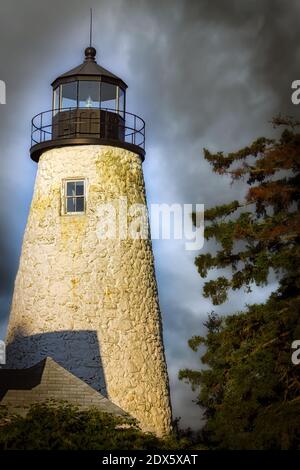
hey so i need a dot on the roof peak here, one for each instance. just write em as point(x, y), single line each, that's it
point(89, 68)
point(90, 54)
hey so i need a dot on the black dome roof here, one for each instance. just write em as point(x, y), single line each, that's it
point(89, 69)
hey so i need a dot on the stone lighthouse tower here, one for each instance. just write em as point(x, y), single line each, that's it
point(90, 302)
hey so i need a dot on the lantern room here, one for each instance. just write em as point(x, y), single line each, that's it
point(89, 86)
point(88, 107)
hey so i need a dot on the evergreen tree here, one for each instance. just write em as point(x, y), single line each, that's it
point(250, 389)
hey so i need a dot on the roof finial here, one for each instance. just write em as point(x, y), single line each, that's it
point(91, 26)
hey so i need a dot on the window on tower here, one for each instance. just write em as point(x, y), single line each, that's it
point(74, 196)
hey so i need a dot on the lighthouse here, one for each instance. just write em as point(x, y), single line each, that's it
point(86, 301)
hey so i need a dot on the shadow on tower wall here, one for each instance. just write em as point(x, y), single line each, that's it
point(76, 351)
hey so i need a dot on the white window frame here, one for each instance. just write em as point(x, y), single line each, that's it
point(65, 197)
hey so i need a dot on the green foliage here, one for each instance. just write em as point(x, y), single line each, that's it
point(217, 290)
point(250, 389)
point(51, 426)
point(267, 222)
point(220, 211)
point(221, 163)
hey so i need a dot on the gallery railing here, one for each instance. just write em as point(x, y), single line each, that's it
point(84, 123)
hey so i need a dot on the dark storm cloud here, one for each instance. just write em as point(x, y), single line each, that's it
point(202, 73)
point(220, 70)
point(196, 50)
point(26, 32)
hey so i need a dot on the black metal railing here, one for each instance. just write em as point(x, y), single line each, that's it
point(103, 124)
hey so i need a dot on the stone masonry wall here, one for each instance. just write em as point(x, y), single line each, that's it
point(91, 304)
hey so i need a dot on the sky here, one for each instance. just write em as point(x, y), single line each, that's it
point(202, 73)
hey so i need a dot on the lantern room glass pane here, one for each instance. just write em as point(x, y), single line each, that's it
point(109, 96)
point(56, 100)
point(121, 102)
point(89, 94)
point(69, 95)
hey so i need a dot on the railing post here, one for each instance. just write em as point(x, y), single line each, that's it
point(41, 122)
point(134, 130)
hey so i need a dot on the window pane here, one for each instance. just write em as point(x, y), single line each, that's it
point(108, 96)
point(71, 204)
point(79, 204)
point(71, 188)
point(79, 188)
point(89, 94)
point(69, 95)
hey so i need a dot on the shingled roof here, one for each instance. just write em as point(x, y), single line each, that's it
point(20, 388)
point(89, 69)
